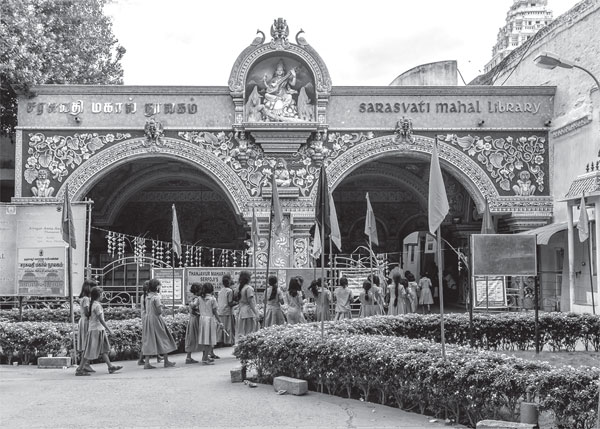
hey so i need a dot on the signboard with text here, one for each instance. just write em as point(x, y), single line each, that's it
point(31, 245)
point(166, 277)
point(490, 292)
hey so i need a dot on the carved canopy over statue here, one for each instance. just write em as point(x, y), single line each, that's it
point(281, 94)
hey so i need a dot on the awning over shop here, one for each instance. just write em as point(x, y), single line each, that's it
point(544, 233)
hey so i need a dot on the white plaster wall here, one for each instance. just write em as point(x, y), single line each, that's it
point(577, 39)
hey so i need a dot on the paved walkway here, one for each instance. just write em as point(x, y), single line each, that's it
point(179, 397)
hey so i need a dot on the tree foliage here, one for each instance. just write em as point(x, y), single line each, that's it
point(54, 42)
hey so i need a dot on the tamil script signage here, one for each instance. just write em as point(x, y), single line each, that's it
point(32, 251)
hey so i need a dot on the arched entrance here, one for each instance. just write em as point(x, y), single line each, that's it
point(134, 184)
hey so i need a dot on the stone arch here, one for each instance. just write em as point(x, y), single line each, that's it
point(466, 171)
point(90, 172)
point(402, 177)
point(134, 184)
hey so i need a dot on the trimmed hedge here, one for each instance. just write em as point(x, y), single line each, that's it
point(26, 341)
point(412, 375)
point(503, 331)
point(62, 314)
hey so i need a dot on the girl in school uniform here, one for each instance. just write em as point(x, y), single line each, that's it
point(368, 304)
point(295, 302)
point(248, 315)
point(208, 321)
point(274, 314)
point(397, 296)
point(343, 300)
point(322, 300)
point(97, 341)
point(425, 298)
point(157, 338)
point(412, 292)
point(82, 329)
point(225, 304)
point(191, 332)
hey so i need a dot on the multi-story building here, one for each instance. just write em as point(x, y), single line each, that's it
point(523, 20)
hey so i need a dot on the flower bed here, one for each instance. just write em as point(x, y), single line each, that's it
point(412, 375)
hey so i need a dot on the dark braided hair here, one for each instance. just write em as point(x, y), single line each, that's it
point(95, 295)
point(273, 284)
point(366, 287)
point(397, 277)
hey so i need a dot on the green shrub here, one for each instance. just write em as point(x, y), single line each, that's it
point(411, 374)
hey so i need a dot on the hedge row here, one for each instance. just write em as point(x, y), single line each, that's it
point(504, 331)
point(63, 315)
point(26, 341)
point(412, 375)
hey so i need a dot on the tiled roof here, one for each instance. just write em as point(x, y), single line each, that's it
point(588, 183)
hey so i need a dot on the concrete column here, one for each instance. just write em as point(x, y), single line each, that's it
point(597, 240)
point(571, 254)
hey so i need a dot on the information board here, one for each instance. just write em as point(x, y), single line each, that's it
point(30, 245)
point(503, 255)
point(490, 292)
point(165, 276)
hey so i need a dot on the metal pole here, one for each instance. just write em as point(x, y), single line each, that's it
point(173, 279)
point(324, 191)
point(441, 286)
point(590, 251)
point(268, 262)
point(71, 314)
point(88, 212)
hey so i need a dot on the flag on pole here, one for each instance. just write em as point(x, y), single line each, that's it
point(584, 222)
point(487, 224)
point(438, 200)
point(322, 210)
point(325, 209)
point(336, 236)
point(370, 223)
point(315, 252)
point(67, 227)
point(176, 237)
point(276, 211)
point(254, 228)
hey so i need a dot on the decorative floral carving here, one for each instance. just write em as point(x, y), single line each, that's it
point(507, 158)
point(58, 154)
point(300, 252)
point(256, 171)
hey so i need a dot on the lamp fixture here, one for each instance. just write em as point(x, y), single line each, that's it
point(549, 60)
point(480, 122)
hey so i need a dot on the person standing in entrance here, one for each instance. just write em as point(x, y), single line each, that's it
point(425, 298)
point(397, 296)
point(247, 321)
point(158, 339)
point(343, 300)
point(97, 342)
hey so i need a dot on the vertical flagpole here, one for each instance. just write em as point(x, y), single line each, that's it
point(173, 272)
point(590, 262)
point(323, 196)
point(268, 259)
point(441, 287)
point(70, 282)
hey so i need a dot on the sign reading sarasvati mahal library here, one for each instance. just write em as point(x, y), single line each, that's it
point(135, 150)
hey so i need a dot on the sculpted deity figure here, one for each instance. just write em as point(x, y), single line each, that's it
point(282, 175)
point(279, 102)
point(42, 186)
point(524, 187)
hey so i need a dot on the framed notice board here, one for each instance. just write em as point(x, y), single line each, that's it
point(504, 255)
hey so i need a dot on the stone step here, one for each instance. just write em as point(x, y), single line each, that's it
point(54, 362)
point(291, 385)
point(499, 424)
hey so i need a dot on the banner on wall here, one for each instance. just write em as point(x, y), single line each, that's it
point(27, 230)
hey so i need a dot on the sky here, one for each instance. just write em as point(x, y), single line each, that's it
point(366, 43)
